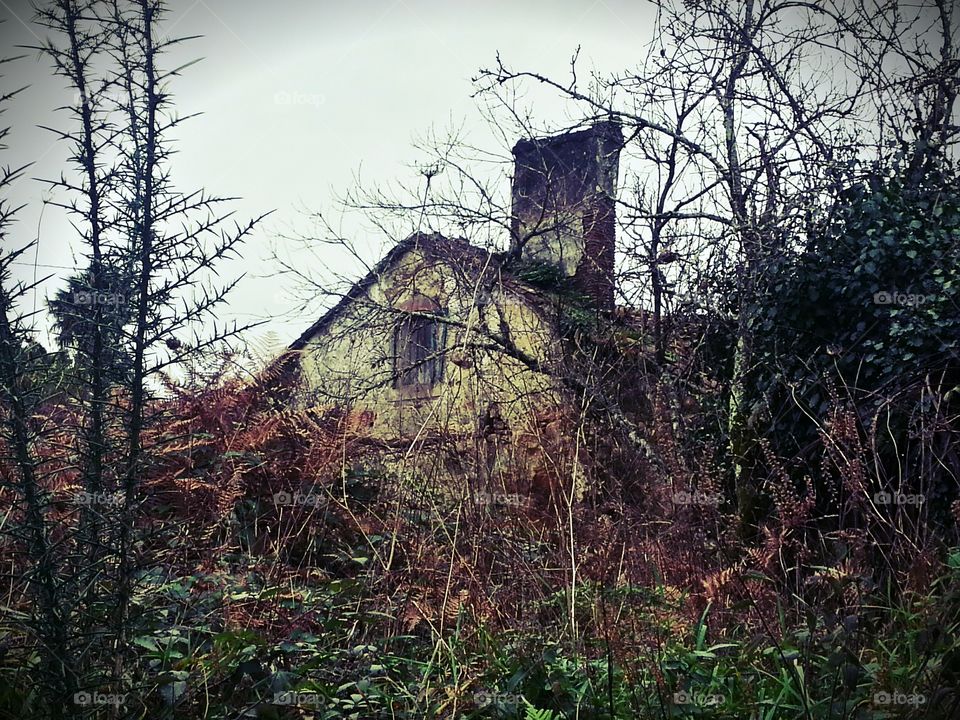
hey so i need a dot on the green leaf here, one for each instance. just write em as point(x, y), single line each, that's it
point(145, 641)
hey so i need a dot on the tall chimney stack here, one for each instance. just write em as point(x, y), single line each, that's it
point(564, 210)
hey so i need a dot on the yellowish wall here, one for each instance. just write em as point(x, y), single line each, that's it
point(350, 362)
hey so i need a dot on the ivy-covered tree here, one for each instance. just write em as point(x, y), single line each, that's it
point(868, 315)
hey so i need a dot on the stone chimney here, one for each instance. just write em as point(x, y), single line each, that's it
point(564, 211)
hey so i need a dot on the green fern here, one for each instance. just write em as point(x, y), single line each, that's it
point(534, 713)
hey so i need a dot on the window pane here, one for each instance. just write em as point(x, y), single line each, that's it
point(416, 346)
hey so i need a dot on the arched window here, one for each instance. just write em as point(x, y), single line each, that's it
point(418, 341)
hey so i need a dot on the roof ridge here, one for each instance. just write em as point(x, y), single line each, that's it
point(416, 239)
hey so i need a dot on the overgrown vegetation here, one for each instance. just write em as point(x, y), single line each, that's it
point(769, 522)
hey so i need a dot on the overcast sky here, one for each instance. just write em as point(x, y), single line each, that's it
point(298, 96)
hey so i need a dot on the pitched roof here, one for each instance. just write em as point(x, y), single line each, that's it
point(433, 245)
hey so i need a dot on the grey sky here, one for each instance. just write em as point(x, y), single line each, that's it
point(298, 96)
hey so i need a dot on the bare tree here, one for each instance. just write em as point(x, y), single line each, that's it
point(742, 131)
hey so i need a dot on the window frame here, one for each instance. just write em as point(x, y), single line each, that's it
point(418, 366)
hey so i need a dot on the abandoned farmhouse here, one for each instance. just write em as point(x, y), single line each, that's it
point(445, 336)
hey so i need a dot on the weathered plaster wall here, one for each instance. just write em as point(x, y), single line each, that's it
point(350, 362)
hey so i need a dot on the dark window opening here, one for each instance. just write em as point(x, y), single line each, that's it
point(418, 351)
